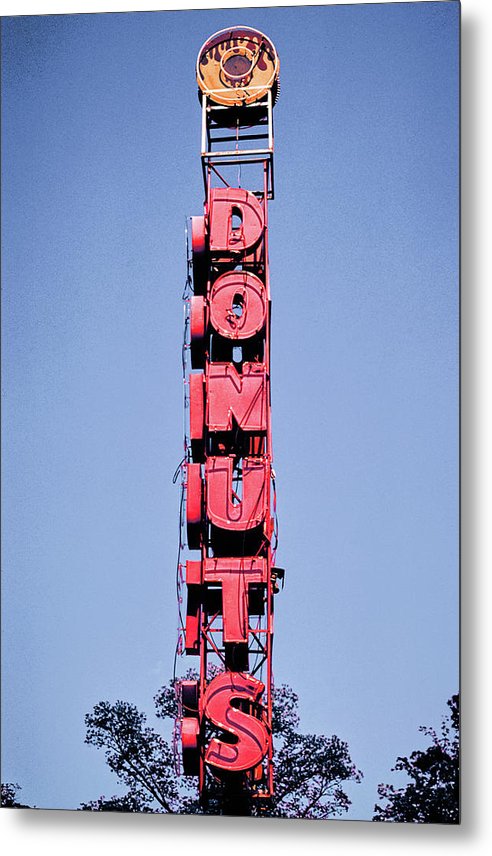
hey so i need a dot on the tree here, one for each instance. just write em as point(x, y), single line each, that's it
point(141, 759)
point(310, 769)
point(432, 795)
point(9, 796)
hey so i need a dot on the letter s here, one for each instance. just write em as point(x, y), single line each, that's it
point(251, 735)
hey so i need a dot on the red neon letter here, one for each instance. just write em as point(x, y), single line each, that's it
point(193, 505)
point(238, 304)
point(225, 508)
point(236, 220)
point(197, 318)
point(242, 396)
point(193, 604)
point(235, 575)
point(197, 415)
point(251, 734)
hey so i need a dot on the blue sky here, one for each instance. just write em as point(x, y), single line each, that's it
point(101, 128)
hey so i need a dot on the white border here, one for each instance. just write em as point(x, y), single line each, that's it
point(52, 7)
point(60, 833)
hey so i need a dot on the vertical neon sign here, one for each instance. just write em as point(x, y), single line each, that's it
point(225, 720)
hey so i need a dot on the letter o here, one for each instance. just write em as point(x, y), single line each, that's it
point(238, 304)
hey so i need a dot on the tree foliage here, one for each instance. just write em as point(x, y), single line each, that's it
point(138, 755)
point(9, 795)
point(432, 795)
point(310, 769)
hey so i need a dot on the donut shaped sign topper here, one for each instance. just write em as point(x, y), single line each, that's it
point(237, 66)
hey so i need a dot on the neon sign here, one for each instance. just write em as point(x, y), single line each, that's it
point(226, 714)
